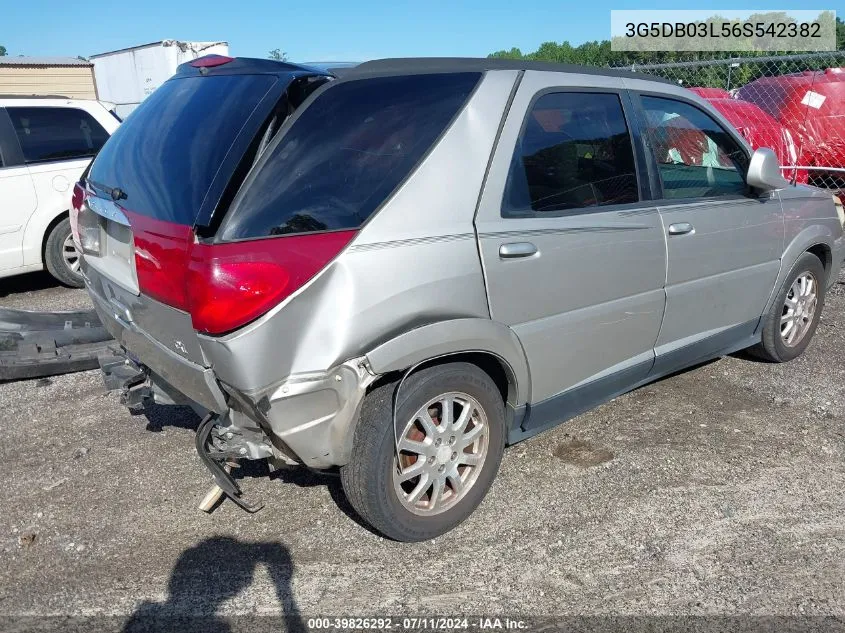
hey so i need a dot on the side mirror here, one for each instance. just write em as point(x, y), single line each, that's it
point(764, 171)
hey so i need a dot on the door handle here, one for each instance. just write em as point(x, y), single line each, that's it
point(681, 228)
point(517, 249)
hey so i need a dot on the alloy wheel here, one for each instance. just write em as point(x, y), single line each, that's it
point(441, 451)
point(70, 255)
point(799, 309)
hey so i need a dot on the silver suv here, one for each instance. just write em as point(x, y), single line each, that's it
point(399, 271)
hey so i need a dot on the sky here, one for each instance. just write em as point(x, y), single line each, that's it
point(329, 30)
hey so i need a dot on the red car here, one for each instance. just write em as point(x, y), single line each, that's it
point(712, 93)
point(811, 105)
point(759, 129)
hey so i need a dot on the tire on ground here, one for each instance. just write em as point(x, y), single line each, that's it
point(54, 256)
point(368, 477)
point(772, 346)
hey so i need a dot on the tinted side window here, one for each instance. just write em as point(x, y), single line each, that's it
point(47, 134)
point(695, 157)
point(575, 151)
point(346, 154)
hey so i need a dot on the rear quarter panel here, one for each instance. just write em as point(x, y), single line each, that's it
point(414, 263)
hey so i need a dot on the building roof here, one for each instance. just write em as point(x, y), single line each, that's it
point(22, 60)
point(411, 65)
point(184, 45)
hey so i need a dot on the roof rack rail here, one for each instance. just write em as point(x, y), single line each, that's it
point(411, 65)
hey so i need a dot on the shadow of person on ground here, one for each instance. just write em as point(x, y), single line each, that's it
point(208, 574)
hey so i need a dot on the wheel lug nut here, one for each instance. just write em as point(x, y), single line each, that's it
point(454, 456)
point(431, 459)
point(438, 442)
point(441, 469)
point(451, 440)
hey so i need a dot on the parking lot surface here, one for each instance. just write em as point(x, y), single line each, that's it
point(715, 491)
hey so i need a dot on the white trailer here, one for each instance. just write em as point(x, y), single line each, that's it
point(125, 77)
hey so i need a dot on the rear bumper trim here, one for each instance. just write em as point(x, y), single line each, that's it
point(198, 384)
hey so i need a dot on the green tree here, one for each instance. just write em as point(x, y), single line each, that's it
point(513, 53)
point(2, 51)
point(278, 55)
point(599, 53)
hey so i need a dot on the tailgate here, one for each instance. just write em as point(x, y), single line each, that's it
point(159, 180)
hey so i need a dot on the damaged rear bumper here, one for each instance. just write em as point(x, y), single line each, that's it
point(313, 415)
point(174, 373)
point(308, 418)
point(34, 344)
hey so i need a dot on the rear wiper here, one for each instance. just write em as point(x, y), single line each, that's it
point(115, 193)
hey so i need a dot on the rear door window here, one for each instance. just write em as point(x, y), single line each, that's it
point(166, 154)
point(574, 151)
point(51, 134)
point(346, 154)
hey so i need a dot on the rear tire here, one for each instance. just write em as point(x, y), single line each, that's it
point(791, 322)
point(460, 458)
point(61, 257)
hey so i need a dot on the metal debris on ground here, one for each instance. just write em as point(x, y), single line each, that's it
point(35, 344)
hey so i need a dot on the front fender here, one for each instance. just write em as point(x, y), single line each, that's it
point(807, 238)
point(453, 337)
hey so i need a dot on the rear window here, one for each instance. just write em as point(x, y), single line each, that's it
point(167, 152)
point(50, 134)
point(345, 155)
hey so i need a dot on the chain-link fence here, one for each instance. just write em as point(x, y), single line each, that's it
point(794, 104)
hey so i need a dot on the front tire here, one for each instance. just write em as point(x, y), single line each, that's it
point(451, 429)
point(61, 257)
point(791, 322)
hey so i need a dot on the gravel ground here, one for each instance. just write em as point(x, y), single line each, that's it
point(715, 491)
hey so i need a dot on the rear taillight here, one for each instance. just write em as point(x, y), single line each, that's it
point(90, 229)
point(161, 258)
point(76, 201)
point(78, 196)
point(85, 225)
point(225, 286)
point(231, 284)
